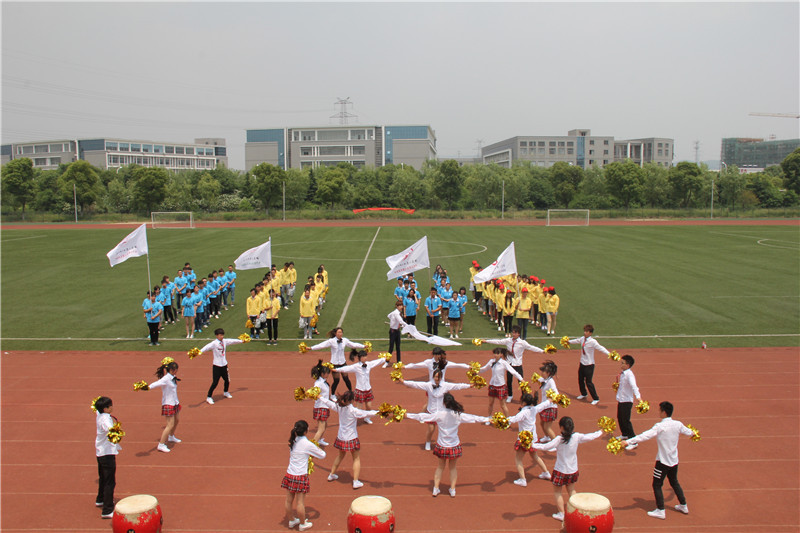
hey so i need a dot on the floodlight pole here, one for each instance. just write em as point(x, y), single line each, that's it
point(75, 201)
point(284, 201)
point(503, 202)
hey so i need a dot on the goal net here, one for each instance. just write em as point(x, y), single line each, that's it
point(171, 219)
point(567, 217)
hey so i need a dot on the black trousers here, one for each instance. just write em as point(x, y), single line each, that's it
point(107, 480)
point(394, 341)
point(671, 473)
point(412, 320)
point(219, 372)
point(433, 324)
point(585, 374)
point(624, 419)
point(336, 375)
point(523, 325)
point(153, 326)
point(272, 329)
point(510, 379)
point(169, 316)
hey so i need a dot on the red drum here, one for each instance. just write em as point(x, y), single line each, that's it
point(588, 513)
point(370, 514)
point(137, 514)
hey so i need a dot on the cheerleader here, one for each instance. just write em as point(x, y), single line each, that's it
point(435, 389)
point(448, 445)
point(296, 479)
point(498, 390)
point(438, 361)
point(320, 373)
point(362, 369)
point(526, 421)
point(347, 438)
point(170, 406)
point(337, 342)
point(546, 383)
point(565, 471)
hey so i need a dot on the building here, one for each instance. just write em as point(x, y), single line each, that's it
point(114, 153)
point(753, 154)
point(358, 145)
point(579, 147)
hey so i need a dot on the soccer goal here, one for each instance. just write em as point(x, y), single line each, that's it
point(567, 217)
point(171, 219)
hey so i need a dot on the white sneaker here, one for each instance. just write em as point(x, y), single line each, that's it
point(109, 515)
point(293, 522)
point(305, 525)
point(581, 397)
point(451, 336)
point(428, 448)
point(545, 475)
point(508, 400)
point(210, 400)
point(682, 508)
point(323, 442)
point(368, 421)
point(227, 394)
point(452, 492)
point(173, 438)
point(657, 513)
point(357, 484)
point(456, 336)
point(544, 439)
point(191, 336)
point(633, 447)
point(333, 477)
point(559, 517)
point(435, 492)
point(521, 482)
point(163, 448)
point(187, 336)
point(595, 402)
point(487, 423)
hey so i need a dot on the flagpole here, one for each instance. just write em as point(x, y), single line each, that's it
point(149, 285)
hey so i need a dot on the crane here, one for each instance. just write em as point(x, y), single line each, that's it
point(779, 115)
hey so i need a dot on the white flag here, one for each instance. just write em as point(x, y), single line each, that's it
point(413, 258)
point(134, 245)
point(412, 330)
point(260, 256)
point(506, 264)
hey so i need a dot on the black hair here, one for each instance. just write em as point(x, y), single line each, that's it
point(219, 331)
point(332, 333)
point(452, 404)
point(529, 399)
point(552, 290)
point(550, 367)
point(437, 372)
point(628, 359)
point(345, 398)
point(664, 406)
point(500, 351)
point(357, 353)
point(299, 429)
point(589, 328)
point(163, 369)
point(516, 329)
point(102, 403)
point(442, 363)
point(567, 428)
point(462, 289)
point(319, 370)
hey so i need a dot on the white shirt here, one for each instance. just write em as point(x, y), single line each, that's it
point(298, 458)
point(337, 348)
point(432, 365)
point(348, 419)
point(666, 433)
point(102, 446)
point(218, 348)
point(548, 384)
point(395, 319)
point(324, 392)
point(515, 348)
point(499, 370)
point(526, 418)
point(447, 421)
point(627, 387)
point(362, 373)
point(169, 389)
point(588, 346)
point(567, 454)
point(435, 395)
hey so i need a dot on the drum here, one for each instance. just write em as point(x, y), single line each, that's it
point(588, 513)
point(137, 514)
point(370, 514)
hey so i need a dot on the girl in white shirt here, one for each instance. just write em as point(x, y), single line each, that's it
point(498, 390)
point(296, 480)
point(338, 343)
point(448, 446)
point(565, 471)
point(526, 421)
point(438, 361)
point(170, 406)
point(548, 416)
point(347, 439)
point(320, 373)
point(362, 369)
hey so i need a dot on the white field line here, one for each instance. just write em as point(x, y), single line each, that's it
point(358, 277)
point(23, 238)
point(747, 296)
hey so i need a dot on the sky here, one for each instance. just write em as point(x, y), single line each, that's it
point(477, 73)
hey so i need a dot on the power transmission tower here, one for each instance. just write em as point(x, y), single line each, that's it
point(343, 115)
point(697, 152)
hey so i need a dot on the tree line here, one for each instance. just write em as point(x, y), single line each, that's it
point(439, 185)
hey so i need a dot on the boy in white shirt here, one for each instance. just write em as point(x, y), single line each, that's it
point(586, 367)
point(220, 364)
point(626, 392)
point(106, 453)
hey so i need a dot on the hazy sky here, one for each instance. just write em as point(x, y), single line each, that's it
point(473, 71)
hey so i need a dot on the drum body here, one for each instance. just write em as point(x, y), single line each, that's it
point(370, 514)
point(588, 513)
point(137, 514)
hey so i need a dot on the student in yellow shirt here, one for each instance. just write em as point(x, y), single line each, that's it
point(509, 309)
point(524, 305)
point(253, 310)
point(307, 307)
point(552, 311)
point(292, 281)
point(272, 307)
point(543, 308)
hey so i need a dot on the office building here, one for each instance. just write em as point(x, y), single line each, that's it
point(751, 154)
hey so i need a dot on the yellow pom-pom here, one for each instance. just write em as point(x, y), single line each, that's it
point(642, 407)
point(477, 342)
point(367, 346)
point(524, 387)
point(313, 393)
point(244, 337)
point(115, 433)
point(525, 439)
point(398, 365)
point(695, 433)
point(385, 410)
point(302, 347)
point(474, 369)
point(93, 406)
point(396, 375)
point(614, 355)
point(248, 324)
point(607, 424)
point(478, 382)
point(299, 394)
point(615, 445)
point(536, 377)
point(615, 385)
point(552, 395)
point(562, 400)
point(328, 365)
point(398, 414)
point(565, 342)
point(167, 360)
point(141, 385)
point(500, 421)
point(194, 352)
point(550, 349)
point(385, 356)
point(310, 465)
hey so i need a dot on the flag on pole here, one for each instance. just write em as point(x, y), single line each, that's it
point(410, 329)
point(260, 256)
point(134, 245)
point(506, 263)
point(413, 258)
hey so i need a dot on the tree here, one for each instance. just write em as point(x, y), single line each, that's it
point(765, 190)
point(297, 185)
point(85, 180)
point(149, 187)
point(482, 187)
point(209, 189)
point(625, 182)
point(48, 195)
point(447, 182)
point(791, 171)
point(331, 186)
point(685, 180)
point(409, 189)
point(17, 177)
point(268, 185)
point(730, 185)
point(563, 172)
point(655, 191)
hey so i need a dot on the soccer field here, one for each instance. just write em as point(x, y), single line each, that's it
point(641, 286)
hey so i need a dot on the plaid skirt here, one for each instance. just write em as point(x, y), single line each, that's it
point(364, 396)
point(498, 392)
point(447, 453)
point(170, 410)
point(296, 483)
point(321, 413)
point(347, 445)
point(559, 479)
point(549, 415)
point(518, 446)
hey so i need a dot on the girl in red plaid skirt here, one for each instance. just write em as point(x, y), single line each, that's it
point(170, 406)
point(320, 373)
point(362, 369)
point(498, 389)
point(548, 416)
point(296, 478)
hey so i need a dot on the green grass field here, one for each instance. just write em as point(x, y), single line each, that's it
point(670, 286)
